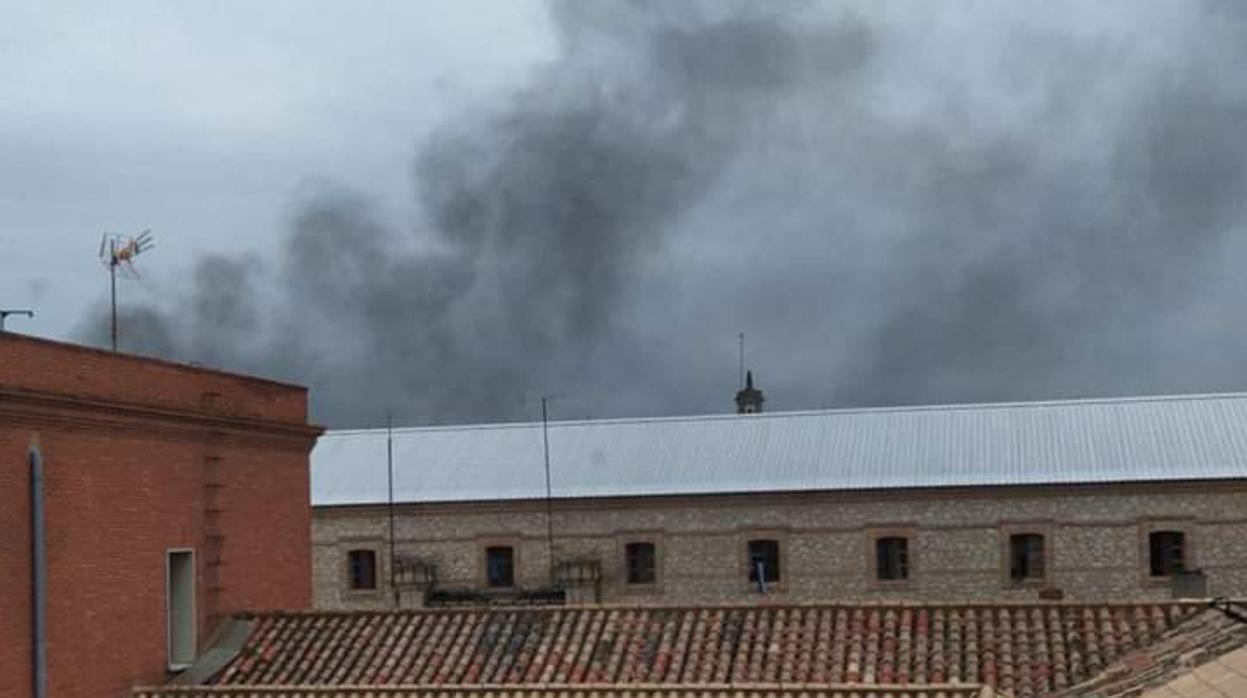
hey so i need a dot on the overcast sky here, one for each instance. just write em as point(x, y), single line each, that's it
point(202, 121)
point(446, 210)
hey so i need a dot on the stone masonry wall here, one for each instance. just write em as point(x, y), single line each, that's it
point(1095, 538)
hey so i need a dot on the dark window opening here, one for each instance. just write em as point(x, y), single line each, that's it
point(764, 559)
point(361, 567)
point(1026, 556)
point(640, 559)
point(892, 558)
point(1168, 552)
point(500, 566)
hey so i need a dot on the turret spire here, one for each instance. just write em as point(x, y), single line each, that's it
point(749, 399)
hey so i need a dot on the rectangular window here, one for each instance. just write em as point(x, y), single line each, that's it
point(180, 607)
point(640, 558)
point(763, 560)
point(500, 566)
point(892, 558)
point(1168, 552)
point(1026, 557)
point(361, 567)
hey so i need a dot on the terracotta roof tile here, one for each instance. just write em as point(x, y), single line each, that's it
point(578, 691)
point(1174, 655)
point(1021, 649)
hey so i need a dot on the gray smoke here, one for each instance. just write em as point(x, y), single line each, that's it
point(895, 206)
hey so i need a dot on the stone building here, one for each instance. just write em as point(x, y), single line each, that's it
point(1088, 500)
point(142, 502)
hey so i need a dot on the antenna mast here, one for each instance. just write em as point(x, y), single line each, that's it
point(741, 336)
point(389, 460)
point(117, 250)
point(545, 440)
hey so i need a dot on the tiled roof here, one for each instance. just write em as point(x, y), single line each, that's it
point(604, 691)
point(1021, 649)
point(1202, 651)
point(1078, 441)
point(1223, 677)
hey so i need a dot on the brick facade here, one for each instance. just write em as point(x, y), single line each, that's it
point(1095, 540)
point(140, 457)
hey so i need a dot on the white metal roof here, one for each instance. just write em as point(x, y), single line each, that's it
point(1082, 441)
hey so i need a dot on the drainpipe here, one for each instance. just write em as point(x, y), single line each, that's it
point(39, 577)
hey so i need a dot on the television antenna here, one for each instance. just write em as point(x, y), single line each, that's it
point(117, 251)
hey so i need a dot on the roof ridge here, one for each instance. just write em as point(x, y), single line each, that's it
point(878, 409)
point(572, 687)
point(734, 606)
point(131, 356)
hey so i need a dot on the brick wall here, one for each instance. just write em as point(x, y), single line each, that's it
point(42, 366)
point(14, 565)
point(1096, 542)
point(142, 457)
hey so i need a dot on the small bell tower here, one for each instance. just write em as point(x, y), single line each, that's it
point(749, 399)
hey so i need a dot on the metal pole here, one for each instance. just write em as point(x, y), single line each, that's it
point(545, 440)
point(389, 458)
point(112, 273)
point(742, 359)
point(39, 577)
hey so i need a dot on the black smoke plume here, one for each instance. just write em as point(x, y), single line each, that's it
point(929, 206)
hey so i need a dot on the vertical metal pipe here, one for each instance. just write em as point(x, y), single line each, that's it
point(742, 360)
point(545, 440)
point(39, 577)
point(112, 273)
point(389, 460)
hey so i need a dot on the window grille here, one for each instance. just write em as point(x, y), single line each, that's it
point(1168, 552)
point(500, 566)
point(891, 558)
point(639, 559)
point(361, 568)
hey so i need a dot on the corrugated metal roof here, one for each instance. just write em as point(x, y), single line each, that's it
point(1082, 441)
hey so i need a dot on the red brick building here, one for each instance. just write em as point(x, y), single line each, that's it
point(173, 497)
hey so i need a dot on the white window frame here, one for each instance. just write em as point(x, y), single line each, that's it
point(175, 663)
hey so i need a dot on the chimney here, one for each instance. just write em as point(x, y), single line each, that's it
point(749, 399)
